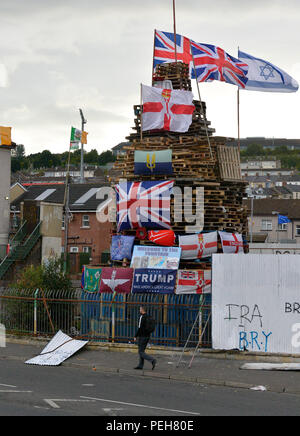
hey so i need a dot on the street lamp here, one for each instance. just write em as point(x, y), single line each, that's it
point(274, 212)
point(83, 122)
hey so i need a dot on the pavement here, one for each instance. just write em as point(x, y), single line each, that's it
point(216, 369)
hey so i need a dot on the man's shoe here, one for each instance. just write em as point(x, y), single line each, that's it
point(153, 364)
point(137, 367)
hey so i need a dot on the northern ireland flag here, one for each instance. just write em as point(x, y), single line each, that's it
point(194, 282)
point(167, 109)
point(143, 204)
point(232, 242)
point(198, 246)
point(116, 280)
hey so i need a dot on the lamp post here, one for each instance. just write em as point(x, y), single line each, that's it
point(274, 212)
point(83, 122)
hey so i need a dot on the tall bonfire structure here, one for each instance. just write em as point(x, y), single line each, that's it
point(205, 170)
point(198, 162)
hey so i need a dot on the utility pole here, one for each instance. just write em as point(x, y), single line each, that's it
point(83, 122)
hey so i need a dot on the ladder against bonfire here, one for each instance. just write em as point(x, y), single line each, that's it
point(201, 162)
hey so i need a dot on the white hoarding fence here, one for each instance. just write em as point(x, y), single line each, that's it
point(256, 303)
point(2, 336)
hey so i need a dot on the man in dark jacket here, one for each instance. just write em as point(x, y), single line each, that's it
point(142, 337)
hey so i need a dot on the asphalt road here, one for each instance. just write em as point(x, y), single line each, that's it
point(27, 390)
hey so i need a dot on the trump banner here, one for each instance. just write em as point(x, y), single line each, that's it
point(154, 281)
point(116, 280)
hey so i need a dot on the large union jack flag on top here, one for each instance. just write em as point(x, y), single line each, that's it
point(164, 49)
point(213, 63)
point(143, 204)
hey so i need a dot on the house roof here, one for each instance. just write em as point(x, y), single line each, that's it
point(82, 196)
point(265, 207)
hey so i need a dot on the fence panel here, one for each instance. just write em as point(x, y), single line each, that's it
point(99, 317)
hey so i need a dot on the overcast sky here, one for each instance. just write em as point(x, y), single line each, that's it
point(59, 55)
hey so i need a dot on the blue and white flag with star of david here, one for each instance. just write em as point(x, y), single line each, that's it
point(266, 77)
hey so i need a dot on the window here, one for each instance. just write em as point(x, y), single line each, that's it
point(266, 224)
point(282, 226)
point(297, 230)
point(85, 221)
point(63, 222)
point(74, 250)
point(87, 250)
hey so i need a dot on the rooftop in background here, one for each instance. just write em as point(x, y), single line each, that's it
point(265, 207)
point(272, 143)
point(82, 196)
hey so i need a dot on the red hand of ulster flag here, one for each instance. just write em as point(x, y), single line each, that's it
point(167, 109)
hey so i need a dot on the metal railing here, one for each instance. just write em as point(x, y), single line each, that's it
point(99, 317)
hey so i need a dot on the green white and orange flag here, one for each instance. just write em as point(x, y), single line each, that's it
point(76, 137)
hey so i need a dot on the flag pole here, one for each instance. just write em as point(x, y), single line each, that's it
point(174, 22)
point(153, 58)
point(141, 105)
point(238, 116)
point(199, 95)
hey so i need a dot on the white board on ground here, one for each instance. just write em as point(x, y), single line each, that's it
point(60, 348)
point(272, 366)
point(256, 303)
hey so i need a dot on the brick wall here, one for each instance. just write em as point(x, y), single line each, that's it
point(88, 233)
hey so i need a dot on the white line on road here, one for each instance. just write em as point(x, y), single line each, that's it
point(140, 405)
point(7, 386)
point(16, 392)
point(52, 402)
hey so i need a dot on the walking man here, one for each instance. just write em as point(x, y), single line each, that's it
point(145, 328)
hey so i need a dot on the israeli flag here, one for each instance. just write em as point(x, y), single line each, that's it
point(266, 77)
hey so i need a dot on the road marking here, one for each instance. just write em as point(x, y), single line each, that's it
point(52, 402)
point(16, 392)
point(7, 386)
point(140, 405)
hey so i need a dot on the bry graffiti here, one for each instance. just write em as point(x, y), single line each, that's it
point(254, 341)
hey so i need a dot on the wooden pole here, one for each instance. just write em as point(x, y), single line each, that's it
point(202, 110)
point(238, 120)
point(141, 104)
point(152, 81)
point(175, 33)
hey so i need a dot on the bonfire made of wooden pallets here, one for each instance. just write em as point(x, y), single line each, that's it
point(199, 160)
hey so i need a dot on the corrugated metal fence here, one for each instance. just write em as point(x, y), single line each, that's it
point(98, 317)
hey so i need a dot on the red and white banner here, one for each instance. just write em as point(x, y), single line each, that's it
point(162, 237)
point(116, 280)
point(232, 242)
point(198, 246)
point(194, 282)
point(167, 109)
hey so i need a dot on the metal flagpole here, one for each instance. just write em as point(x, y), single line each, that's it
point(174, 22)
point(202, 110)
point(83, 122)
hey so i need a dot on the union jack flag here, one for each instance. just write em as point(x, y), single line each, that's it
point(143, 204)
point(164, 49)
point(213, 63)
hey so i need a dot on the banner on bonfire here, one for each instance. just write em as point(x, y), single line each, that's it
point(194, 282)
point(121, 247)
point(91, 278)
point(155, 257)
point(116, 280)
point(154, 281)
point(232, 242)
point(153, 162)
point(199, 245)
